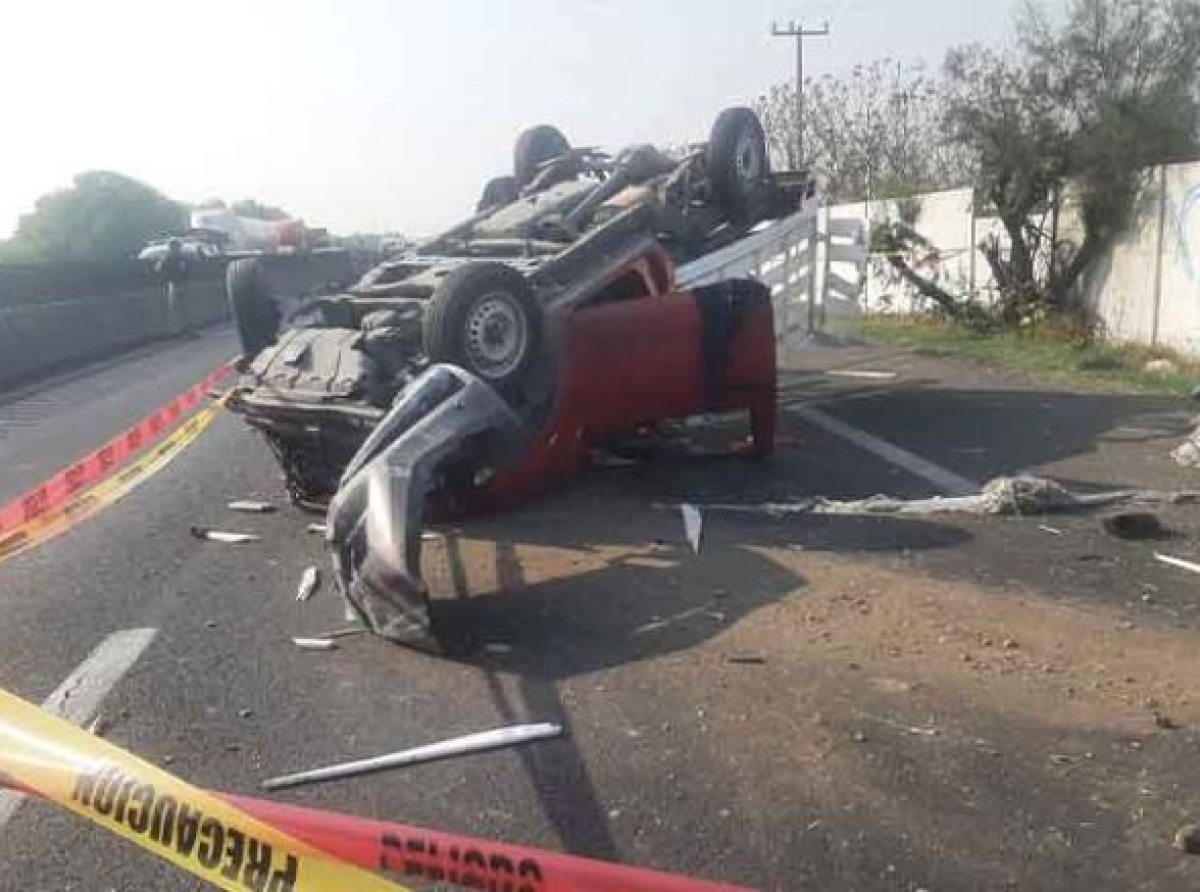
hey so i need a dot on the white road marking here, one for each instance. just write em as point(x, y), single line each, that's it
point(79, 697)
point(947, 481)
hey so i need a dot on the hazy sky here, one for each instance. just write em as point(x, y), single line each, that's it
point(390, 114)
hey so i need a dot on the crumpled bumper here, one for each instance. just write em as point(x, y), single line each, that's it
point(446, 417)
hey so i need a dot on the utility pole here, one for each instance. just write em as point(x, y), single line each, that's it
point(797, 31)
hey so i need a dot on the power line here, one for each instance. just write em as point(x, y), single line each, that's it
point(797, 31)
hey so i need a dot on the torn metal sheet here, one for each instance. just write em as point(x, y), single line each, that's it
point(497, 738)
point(344, 632)
point(866, 374)
point(375, 518)
point(693, 525)
point(223, 536)
point(309, 583)
point(249, 506)
point(315, 643)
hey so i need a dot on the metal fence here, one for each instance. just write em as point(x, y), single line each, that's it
point(796, 259)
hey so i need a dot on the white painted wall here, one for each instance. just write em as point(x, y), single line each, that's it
point(1179, 310)
point(1120, 289)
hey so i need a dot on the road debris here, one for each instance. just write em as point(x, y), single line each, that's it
point(746, 659)
point(868, 374)
point(1187, 839)
point(601, 458)
point(915, 730)
point(1161, 720)
point(343, 632)
point(1187, 453)
point(1054, 531)
point(658, 622)
point(485, 741)
point(223, 536)
point(249, 506)
point(651, 563)
point(693, 525)
point(1177, 562)
point(315, 643)
point(1069, 758)
point(316, 529)
point(1003, 496)
point(1133, 525)
point(310, 582)
point(245, 713)
point(100, 725)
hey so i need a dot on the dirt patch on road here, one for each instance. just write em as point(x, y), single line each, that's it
point(871, 726)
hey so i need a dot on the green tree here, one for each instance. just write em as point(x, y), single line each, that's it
point(103, 216)
point(1098, 95)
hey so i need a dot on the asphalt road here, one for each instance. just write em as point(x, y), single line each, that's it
point(587, 608)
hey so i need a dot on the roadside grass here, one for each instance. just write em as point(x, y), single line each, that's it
point(1050, 352)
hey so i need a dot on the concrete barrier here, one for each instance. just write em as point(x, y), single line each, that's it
point(50, 320)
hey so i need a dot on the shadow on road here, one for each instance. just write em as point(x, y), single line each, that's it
point(984, 433)
point(641, 594)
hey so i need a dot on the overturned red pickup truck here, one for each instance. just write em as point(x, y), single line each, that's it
point(486, 363)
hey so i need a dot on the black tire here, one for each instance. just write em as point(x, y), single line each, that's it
point(497, 192)
point(534, 147)
point(738, 164)
point(253, 307)
point(475, 304)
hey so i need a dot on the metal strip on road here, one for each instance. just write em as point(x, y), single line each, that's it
point(79, 697)
point(943, 479)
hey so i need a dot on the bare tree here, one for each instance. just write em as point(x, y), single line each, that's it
point(875, 131)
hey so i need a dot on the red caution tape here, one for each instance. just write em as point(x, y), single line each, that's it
point(56, 491)
point(412, 854)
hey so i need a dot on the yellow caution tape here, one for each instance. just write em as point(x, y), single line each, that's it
point(107, 491)
point(189, 827)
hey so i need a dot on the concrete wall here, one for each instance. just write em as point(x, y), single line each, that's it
point(944, 219)
point(51, 335)
point(1145, 289)
point(1179, 308)
point(50, 320)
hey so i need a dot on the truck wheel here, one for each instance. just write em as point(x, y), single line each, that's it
point(737, 160)
point(254, 310)
point(485, 318)
point(497, 192)
point(534, 147)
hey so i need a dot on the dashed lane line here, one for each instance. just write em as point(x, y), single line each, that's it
point(79, 697)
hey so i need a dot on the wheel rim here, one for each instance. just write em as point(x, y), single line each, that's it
point(496, 335)
point(748, 157)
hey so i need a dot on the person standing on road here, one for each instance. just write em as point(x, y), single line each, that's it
point(173, 268)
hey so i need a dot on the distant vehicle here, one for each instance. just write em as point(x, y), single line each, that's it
point(249, 234)
point(192, 248)
point(395, 244)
